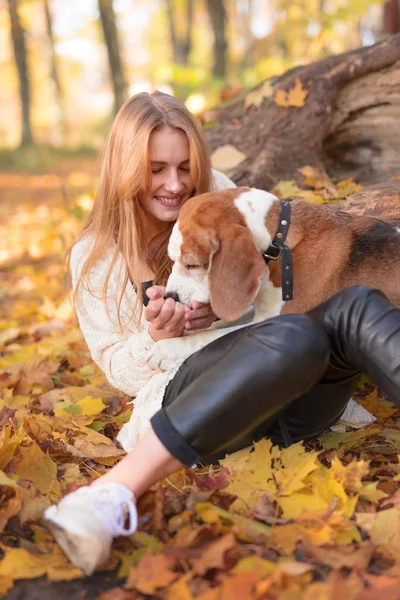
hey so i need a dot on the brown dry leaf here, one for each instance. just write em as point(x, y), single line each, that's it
point(9, 335)
point(36, 372)
point(152, 573)
point(213, 554)
point(227, 157)
point(38, 467)
point(392, 500)
point(10, 505)
point(383, 529)
point(295, 97)
point(338, 557)
point(256, 97)
point(117, 593)
point(240, 586)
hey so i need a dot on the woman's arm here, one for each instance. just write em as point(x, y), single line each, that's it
point(122, 355)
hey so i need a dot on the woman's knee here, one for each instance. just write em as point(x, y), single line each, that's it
point(297, 337)
point(357, 294)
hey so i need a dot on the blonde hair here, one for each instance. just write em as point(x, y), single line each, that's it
point(125, 178)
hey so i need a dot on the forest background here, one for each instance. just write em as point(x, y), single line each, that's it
point(66, 68)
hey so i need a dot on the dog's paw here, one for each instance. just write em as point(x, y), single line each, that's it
point(166, 353)
point(157, 355)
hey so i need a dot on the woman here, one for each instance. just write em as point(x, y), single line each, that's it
point(288, 378)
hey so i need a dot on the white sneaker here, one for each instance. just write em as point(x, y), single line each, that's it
point(85, 522)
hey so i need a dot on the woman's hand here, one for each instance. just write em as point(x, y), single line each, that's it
point(166, 317)
point(200, 316)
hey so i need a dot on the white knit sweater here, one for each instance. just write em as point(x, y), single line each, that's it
point(122, 355)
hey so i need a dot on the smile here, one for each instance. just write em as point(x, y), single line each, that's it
point(171, 202)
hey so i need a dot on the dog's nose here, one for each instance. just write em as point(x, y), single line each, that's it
point(172, 295)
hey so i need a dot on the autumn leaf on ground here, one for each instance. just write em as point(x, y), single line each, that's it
point(38, 467)
point(36, 372)
point(318, 180)
point(295, 97)
point(227, 157)
point(152, 573)
point(256, 97)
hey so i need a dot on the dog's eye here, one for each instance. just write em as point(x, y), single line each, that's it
point(192, 267)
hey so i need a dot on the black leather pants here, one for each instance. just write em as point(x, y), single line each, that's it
point(288, 378)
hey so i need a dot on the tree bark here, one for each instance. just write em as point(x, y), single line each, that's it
point(216, 10)
point(348, 124)
point(54, 70)
point(391, 16)
point(110, 32)
point(381, 201)
point(181, 48)
point(21, 60)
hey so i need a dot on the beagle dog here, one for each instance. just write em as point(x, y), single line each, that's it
point(238, 248)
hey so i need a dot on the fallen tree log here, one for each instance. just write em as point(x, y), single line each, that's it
point(340, 115)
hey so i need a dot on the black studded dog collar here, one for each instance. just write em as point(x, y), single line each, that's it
point(278, 249)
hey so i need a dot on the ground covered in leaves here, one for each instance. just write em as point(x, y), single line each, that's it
point(317, 522)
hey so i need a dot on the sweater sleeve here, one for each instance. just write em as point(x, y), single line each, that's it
point(121, 353)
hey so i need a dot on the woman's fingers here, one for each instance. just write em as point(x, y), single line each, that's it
point(156, 291)
point(200, 317)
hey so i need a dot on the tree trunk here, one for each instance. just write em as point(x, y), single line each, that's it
point(54, 70)
point(391, 16)
point(181, 48)
point(347, 125)
point(110, 32)
point(217, 13)
point(21, 59)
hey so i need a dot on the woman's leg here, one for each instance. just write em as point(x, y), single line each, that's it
point(363, 328)
point(248, 361)
point(230, 392)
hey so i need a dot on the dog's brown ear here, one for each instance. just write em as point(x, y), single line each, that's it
point(234, 274)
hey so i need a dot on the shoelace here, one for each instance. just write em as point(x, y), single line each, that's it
point(113, 511)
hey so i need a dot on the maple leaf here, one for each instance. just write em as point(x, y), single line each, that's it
point(295, 97)
point(257, 96)
point(38, 467)
point(152, 573)
point(36, 371)
point(213, 555)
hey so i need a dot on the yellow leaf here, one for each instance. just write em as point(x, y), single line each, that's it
point(91, 406)
point(296, 96)
point(296, 464)
point(38, 467)
point(286, 188)
point(251, 476)
point(256, 97)
point(20, 564)
point(8, 445)
point(383, 528)
point(348, 187)
point(226, 157)
point(316, 179)
point(262, 567)
point(6, 584)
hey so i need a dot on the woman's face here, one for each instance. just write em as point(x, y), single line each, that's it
point(171, 182)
